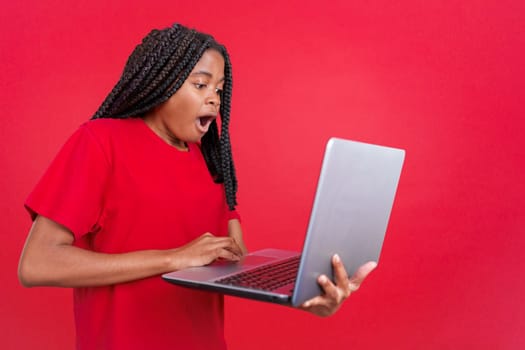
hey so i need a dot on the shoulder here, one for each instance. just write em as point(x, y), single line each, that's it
point(110, 130)
point(110, 125)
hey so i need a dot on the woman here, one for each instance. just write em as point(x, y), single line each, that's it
point(147, 187)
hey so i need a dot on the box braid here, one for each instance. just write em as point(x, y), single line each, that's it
point(155, 70)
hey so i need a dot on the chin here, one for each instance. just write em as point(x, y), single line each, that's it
point(196, 139)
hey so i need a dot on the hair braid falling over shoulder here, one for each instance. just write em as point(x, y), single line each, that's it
point(154, 71)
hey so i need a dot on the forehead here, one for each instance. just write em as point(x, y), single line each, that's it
point(211, 63)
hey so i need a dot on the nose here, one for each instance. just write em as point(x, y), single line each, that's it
point(213, 98)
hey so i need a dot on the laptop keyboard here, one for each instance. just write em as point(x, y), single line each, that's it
point(268, 277)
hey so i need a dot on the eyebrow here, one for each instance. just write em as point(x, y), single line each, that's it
point(208, 74)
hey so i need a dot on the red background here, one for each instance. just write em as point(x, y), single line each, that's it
point(442, 79)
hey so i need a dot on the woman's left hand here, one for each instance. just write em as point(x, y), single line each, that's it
point(336, 292)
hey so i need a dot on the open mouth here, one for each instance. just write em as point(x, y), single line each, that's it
point(204, 122)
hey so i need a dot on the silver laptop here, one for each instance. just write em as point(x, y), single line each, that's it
point(350, 213)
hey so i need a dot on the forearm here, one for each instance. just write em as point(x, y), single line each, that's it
point(235, 232)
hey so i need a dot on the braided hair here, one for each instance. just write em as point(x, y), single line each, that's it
point(155, 70)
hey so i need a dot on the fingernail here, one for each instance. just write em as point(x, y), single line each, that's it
point(337, 258)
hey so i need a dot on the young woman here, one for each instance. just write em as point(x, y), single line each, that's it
point(148, 186)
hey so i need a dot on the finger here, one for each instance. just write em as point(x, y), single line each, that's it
point(320, 306)
point(213, 247)
point(227, 255)
point(315, 302)
point(228, 243)
point(237, 248)
point(362, 272)
point(331, 291)
point(340, 274)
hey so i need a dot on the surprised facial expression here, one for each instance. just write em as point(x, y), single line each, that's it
point(187, 115)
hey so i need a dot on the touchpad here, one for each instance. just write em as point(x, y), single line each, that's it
point(256, 259)
point(246, 261)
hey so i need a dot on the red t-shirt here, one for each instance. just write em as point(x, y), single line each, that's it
point(118, 187)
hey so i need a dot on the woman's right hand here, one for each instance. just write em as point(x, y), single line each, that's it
point(206, 249)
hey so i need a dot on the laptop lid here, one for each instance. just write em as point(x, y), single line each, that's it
point(351, 210)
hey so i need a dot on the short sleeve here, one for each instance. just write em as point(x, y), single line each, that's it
point(71, 191)
point(233, 214)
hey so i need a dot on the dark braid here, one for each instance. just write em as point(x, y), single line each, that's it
point(154, 71)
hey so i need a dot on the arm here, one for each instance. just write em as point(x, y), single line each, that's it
point(49, 258)
point(235, 232)
point(335, 293)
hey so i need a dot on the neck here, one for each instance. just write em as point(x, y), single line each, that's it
point(167, 137)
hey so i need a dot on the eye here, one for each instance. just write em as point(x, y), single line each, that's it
point(218, 91)
point(199, 86)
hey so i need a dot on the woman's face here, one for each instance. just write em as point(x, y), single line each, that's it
point(187, 115)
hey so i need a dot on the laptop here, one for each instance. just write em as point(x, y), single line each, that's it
point(350, 213)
